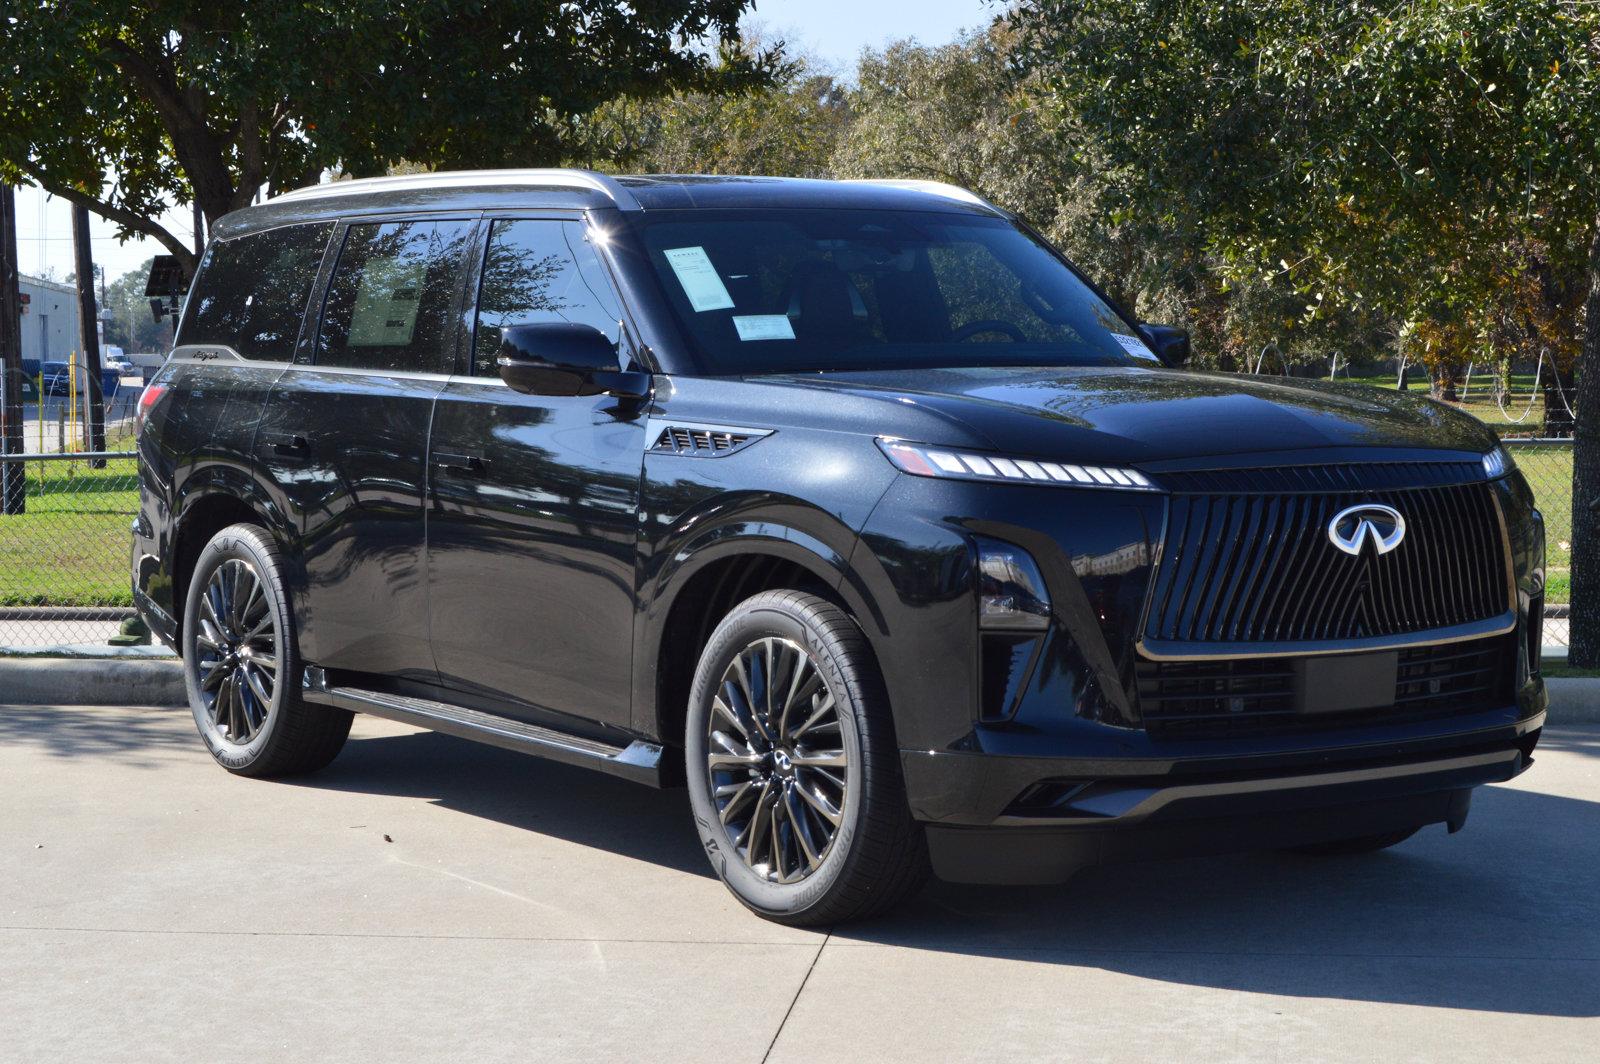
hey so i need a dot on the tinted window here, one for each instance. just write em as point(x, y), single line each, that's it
point(251, 292)
point(389, 302)
point(777, 291)
point(540, 271)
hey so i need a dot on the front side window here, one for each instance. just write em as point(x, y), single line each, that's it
point(389, 303)
point(540, 271)
point(785, 291)
point(251, 291)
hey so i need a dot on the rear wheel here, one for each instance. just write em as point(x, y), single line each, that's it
point(793, 770)
point(241, 663)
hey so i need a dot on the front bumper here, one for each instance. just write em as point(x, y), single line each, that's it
point(1014, 831)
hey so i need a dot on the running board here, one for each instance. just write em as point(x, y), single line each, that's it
point(638, 761)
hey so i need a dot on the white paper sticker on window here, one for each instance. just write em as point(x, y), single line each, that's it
point(387, 300)
point(699, 279)
point(1135, 347)
point(763, 326)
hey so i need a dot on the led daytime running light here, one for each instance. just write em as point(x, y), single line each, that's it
point(967, 465)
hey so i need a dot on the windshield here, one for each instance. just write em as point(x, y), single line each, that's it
point(784, 291)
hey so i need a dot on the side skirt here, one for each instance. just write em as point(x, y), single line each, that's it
point(638, 761)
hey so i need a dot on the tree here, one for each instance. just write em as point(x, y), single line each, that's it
point(1384, 155)
point(788, 126)
point(132, 327)
point(131, 108)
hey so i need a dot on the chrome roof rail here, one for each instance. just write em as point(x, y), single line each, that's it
point(932, 188)
point(560, 178)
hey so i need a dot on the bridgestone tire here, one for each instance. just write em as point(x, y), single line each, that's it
point(292, 736)
point(877, 856)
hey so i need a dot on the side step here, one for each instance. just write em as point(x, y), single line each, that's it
point(638, 761)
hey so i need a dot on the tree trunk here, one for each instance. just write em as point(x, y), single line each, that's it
point(1584, 645)
point(1558, 392)
point(1444, 385)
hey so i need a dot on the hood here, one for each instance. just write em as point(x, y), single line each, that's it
point(1131, 415)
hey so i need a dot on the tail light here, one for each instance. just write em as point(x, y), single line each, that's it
point(147, 399)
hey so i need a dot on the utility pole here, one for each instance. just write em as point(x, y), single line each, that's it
point(13, 475)
point(89, 333)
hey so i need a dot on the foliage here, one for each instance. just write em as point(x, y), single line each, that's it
point(137, 106)
point(132, 327)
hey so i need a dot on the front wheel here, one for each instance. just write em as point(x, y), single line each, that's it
point(241, 664)
point(793, 769)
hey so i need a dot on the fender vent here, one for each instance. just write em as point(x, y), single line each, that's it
point(704, 441)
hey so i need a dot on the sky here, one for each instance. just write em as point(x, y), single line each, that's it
point(834, 31)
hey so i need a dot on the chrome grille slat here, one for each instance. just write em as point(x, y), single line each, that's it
point(1257, 569)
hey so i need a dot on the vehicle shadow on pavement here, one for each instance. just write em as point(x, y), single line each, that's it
point(1501, 917)
point(573, 804)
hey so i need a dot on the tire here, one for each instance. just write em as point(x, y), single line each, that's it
point(241, 663)
point(1356, 846)
point(781, 853)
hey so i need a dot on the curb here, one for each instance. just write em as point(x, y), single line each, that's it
point(92, 682)
point(1573, 699)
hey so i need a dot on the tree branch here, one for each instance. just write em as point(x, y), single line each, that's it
point(112, 213)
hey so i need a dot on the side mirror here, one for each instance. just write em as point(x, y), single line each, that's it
point(1170, 343)
point(561, 358)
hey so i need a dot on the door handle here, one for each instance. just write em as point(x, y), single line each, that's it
point(295, 448)
point(465, 465)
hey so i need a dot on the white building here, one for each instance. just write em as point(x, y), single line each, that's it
point(49, 319)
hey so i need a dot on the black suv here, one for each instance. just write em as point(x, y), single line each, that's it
point(852, 506)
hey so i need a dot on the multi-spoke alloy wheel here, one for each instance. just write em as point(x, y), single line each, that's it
point(237, 651)
point(793, 769)
point(241, 662)
point(776, 759)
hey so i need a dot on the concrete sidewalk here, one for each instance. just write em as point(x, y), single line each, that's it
point(426, 899)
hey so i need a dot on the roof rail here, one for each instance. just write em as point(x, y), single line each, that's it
point(584, 179)
point(932, 188)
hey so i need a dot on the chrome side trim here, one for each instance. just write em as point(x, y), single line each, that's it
point(588, 180)
point(656, 429)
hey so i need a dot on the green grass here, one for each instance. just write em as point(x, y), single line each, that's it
point(71, 546)
point(1549, 473)
point(1516, 419)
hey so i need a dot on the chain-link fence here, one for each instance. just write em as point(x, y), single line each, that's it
point(64, 542)
point(64, 576)
point(1548, 466)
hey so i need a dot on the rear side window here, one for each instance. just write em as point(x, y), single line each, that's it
point(251, 292)
point(389, 303)
point(538, 272)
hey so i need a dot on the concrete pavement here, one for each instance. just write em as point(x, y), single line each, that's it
point(428, 899)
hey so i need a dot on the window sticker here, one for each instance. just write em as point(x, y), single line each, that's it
point(763, 326)
point(699, 279)
point(387, 299)
point(1135, 347)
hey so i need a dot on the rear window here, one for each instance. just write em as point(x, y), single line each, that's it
point(251, 292)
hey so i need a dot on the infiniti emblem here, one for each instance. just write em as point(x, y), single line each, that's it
point(1351, 528)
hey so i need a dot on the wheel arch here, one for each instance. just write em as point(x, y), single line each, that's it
point(704, 580)
point(211, 500)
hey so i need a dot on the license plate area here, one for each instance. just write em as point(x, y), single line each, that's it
point(1345, 682)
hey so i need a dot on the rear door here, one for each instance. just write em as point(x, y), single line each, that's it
point(534, 521)
point(345, 435)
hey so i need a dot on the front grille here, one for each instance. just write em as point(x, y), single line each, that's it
point(1228, 698)
point(1260, 568)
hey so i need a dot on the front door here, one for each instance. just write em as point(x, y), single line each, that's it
point(533, 516)
point(345, 435)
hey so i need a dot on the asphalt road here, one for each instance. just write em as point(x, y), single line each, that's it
point(426, 899)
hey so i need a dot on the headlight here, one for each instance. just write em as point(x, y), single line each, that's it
point(921, 461)
point(1011, 593)
point(1498, 462)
